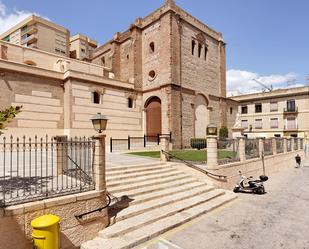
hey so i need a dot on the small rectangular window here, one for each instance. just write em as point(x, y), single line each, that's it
point(258, 124)
point(244, 124)
point(291, 107)
point(258, 108)
point(231, 110)
point(274, 123)
point(244, 109)
point(273, 106)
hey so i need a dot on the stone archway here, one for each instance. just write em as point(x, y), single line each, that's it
point(201, 116)
point(153, 116)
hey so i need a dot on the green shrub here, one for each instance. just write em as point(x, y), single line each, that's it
point(7, 115)
point(198, 143)
point(223, 132)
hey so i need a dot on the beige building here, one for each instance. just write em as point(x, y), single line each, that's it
point(82, 47)
point(39, 33)
point(166, 73)
point(279, 113)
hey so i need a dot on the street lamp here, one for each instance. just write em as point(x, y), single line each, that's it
point(212, 130)
point(99, 122)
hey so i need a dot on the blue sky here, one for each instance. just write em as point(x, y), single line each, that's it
point(266, 39)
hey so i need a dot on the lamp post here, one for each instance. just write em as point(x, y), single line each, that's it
point(99, 122)
point(212, 130)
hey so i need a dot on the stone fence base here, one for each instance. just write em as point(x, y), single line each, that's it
point(15, 228)
point(254, 167)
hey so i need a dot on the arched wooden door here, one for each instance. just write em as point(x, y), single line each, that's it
point(153, 117)
point(201, 116)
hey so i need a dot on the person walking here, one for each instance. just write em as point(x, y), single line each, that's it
point(298, 161)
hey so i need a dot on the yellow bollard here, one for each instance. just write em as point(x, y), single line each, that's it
point(46, 232)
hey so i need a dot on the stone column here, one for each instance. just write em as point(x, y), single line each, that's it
point(99, 162)
point(212, 151)
point(292, 144)
point(285, 145)
point(274, 145)
point(62, 154)
point(299, 142)
point(164, 146)
point(261, 147)
point(242, 149)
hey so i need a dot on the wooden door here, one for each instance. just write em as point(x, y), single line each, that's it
point(153, 117)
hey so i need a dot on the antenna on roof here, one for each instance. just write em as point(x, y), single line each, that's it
point(291, 82)
point(307, 79)
point(265, 87)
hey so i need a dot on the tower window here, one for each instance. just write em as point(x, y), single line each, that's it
point(152, 75)
point(205, 52)
point(130, 102)
point(199, 49)
point(193, 46)
point(95, 98)
point(103, 61)
point(152, 47)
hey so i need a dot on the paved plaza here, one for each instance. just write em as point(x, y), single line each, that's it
point(278, 219)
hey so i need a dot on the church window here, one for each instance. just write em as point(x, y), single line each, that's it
point(199, 49)
point(152, 47)
point(193, 46)
point(95, 98)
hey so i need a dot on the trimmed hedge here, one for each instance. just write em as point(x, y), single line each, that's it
point(198, 143)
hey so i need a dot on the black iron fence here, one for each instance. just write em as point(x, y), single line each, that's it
point(268, 146)
point(118, 144)
point(228, 151)
point(280, 145)
point(39, 168)
point(252, 148)
point(289, 144)
point(295, 143)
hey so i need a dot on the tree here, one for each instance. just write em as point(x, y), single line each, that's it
point(7, 115)
point(223, 132)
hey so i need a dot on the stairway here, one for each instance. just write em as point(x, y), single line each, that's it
point(152, 199)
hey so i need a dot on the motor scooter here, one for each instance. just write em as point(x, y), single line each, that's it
point(247, 185)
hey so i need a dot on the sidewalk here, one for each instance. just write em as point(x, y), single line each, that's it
point(278, 219)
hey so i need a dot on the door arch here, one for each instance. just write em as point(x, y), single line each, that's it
point(201, 116)
point(153, 116)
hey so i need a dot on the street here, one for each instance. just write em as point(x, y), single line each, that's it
point(278, 219)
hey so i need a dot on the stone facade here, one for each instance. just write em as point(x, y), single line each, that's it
point(168, 55)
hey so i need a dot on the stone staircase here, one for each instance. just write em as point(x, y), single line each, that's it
point(152, 199)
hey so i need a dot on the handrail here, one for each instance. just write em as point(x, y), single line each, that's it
point(191, 165)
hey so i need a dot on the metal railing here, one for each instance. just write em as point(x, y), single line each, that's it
point(279, 145)
point(289, 144)
point(252, 148)
point(38, 168)
point(119, 144)
point(268, 146)
point(228, 151)
point(295, 144)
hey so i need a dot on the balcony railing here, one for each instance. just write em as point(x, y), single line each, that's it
point(290, 110)
point(291, 127)
point(30, 39)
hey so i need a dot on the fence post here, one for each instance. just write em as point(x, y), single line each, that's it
point(292, 144)
point(164, 146)
point(212, 151)
point(261, 147)
point(129, 143)
point(299, 143)
point(99, 162)
point(242, 149)
point(285, 145)
point(144, 141)
point(274, 145)
point(62, 153)
point(158, 139)
point(111, 144)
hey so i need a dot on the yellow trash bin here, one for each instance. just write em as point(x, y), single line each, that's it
point(46, 232)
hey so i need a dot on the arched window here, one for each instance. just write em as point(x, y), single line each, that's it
point(103, 61)
point(199, 49)
point(205, 52)
point(152, 47)
point(95, 98)
point(193, 46)
point(152, 75)
point(130, 102)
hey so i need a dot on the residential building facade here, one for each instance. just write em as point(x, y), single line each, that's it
point(279, 113)
point(82, 47)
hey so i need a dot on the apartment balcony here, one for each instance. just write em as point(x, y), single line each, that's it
point(291, 127)
point(29, 30)
point(29, 40)
point(290, 110)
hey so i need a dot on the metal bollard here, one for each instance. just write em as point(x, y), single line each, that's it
point(45, 232)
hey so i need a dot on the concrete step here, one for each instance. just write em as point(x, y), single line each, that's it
point(158, 203)
point(158, 175)
point(154, 188)
point(165, 192)
point(136, 175)
point(141, 185)
point(147, 232)
point(136, 170)
point(133, 166)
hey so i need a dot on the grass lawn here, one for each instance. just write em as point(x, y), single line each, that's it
point(189, 155)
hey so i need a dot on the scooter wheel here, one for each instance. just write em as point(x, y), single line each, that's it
point(236, 190)
point(260, 190)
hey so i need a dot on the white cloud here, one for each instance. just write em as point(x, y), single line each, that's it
point(239, 81)
point(10, 18)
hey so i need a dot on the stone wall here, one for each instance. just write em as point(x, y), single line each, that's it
point(15, 221)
